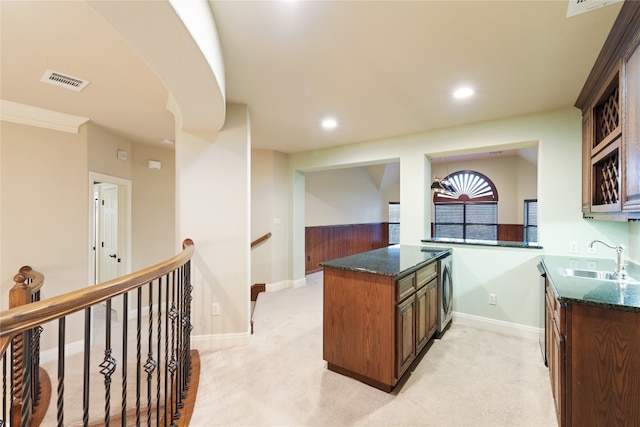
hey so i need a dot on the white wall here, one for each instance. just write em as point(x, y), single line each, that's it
point(510, 273)
point(213, 208)
point(269, 214)
point(345, 196)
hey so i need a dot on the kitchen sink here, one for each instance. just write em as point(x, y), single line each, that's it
point(609, 276)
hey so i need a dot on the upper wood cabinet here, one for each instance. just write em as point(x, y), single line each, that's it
point(610, 104)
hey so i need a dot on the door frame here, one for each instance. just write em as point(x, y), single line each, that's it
point(124, 185)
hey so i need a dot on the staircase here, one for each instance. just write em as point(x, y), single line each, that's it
point(137, 371)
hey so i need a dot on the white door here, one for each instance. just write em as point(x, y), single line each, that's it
point(109, 260)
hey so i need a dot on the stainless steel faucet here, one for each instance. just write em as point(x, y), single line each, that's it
point(621, 271)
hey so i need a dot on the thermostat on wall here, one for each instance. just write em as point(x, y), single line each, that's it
point(154, 164)
point(122, 155)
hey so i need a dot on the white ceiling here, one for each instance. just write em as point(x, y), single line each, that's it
point(381, 68)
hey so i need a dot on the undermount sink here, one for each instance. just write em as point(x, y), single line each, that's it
point(609, 276)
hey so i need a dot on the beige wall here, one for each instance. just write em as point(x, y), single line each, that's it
point(153, 212)
point(356, 195)
point(103, 152)
point(45, 203)
point(44, 218)
point(45, 215)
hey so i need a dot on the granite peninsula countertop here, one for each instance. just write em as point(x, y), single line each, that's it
point(395, 260)
point(598, 293)
point(476, 242)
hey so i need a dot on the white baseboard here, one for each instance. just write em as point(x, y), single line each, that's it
point(219, 341)
point(69, 349)
point(285, 284)
point(277, 286)
point(300, 282)
point(500, 326)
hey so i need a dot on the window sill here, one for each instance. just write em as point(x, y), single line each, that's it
point(492, 243)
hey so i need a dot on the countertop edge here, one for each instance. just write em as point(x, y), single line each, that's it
point(553, 279)
point(442, 252)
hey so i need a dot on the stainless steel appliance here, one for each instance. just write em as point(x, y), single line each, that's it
point(542, 338)
point(445, 293)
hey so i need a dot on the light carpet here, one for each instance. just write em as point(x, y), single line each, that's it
point(469, 377)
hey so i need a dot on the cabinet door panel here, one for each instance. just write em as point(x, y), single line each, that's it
point(432, 302)
point(631, 131)
point(406, 334)
point(422, 318)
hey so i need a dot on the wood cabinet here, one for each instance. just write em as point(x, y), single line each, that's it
point(376, 325)
point(594, 363)
point(555, 334)
point(405, 334)
point(426, 304)
point(610, 104)
point(631, 123)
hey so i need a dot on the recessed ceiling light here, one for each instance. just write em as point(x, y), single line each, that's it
point(329, 123)
point(463, 92)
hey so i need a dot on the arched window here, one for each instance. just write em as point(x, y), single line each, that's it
point(469, 210)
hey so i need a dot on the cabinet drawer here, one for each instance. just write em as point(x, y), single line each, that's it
point(426, 274)
point(405, 287)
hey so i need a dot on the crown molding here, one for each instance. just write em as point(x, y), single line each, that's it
point(40, 117)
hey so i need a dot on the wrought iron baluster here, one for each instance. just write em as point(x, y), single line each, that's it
point(36, 389)
point(138, 355)
point(150, 365)
point(125, 343)
point(159, 344)
point(188, 325)
point(107, 367)
point(173, 314)
point(61, 341)
point(4, 387)
point(25, 413)
point(87, 359)
point(178, 348)
point(165, 410)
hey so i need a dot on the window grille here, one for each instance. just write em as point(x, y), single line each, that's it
point(530, 221)
point(394, 223)
point(470, 210)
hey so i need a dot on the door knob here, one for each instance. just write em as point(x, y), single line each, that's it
point(113, 256)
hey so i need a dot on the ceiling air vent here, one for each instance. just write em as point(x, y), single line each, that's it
point(59, 79)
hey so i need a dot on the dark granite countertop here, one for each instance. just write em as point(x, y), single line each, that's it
point(593, 292)
point(396, 260)
point(474, 242)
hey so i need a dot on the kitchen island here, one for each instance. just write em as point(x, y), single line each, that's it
point(380, 310)
point(592, 332)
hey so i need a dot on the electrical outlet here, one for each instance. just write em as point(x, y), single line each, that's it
point(215, 309)
point(492, 299)
point(573, 247)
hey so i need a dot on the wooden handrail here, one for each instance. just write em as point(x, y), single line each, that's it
point(27, 282)
point(20, 326)
point(260, 239)
point(19, 319)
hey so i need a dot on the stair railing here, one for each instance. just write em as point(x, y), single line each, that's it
point(160, 354)
point(24, 378)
